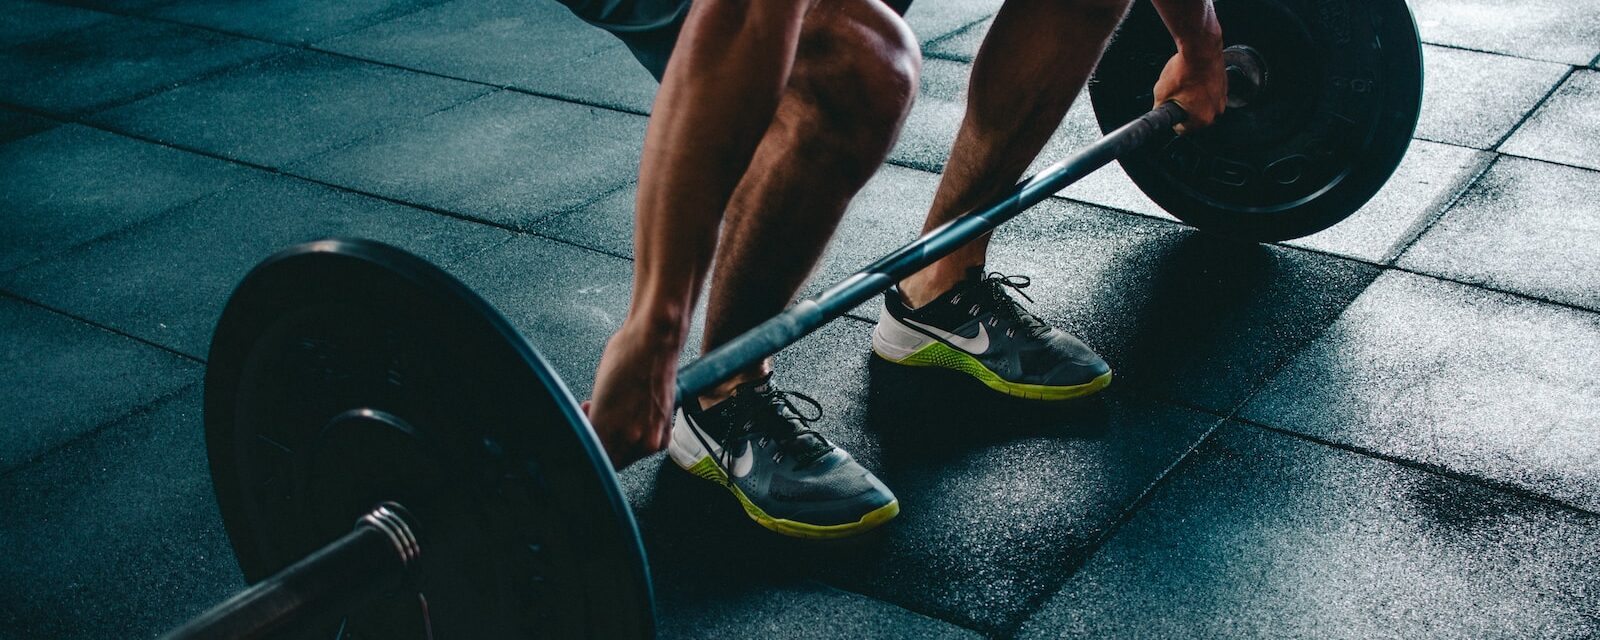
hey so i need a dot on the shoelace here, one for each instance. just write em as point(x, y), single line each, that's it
point(1010, 309)
point(774, 425)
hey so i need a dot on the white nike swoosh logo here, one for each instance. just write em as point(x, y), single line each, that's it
point(975, 345)
point(741, 465)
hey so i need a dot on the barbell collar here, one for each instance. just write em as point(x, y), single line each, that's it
point(1247, 74)
point(378, 557)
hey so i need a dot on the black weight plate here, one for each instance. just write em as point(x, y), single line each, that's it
point(1340, 102)
point(344, 373)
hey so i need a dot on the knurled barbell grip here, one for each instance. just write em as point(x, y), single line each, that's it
point(376, 558)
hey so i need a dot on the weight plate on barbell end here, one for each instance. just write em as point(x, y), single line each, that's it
point(344, 373)
point(1342, 93)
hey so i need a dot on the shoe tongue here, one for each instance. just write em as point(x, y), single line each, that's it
point(805, 447)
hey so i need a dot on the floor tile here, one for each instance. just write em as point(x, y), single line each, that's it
point(932, 19)
point(961, 45)
point(167, 280)
point(285, 109)
point(566, 300)
point(1111, 187)
point(1564, 129)
point(1178, 314)
point(62, 378)
point(1263, 535)
point(1474, 99)
point(791, 612)
point(611, 77)
point(27, 21)
point(506, 158)
point(885, 215)
point(116, 61)
point(999, 497)
point(16, 124)
point(1424, 184)
point(116, 535)
point(1555, 30)
point(73, 183)
point(289, 21)
point(541, 47)
point(1525, 226)
point(935, 117)
point(1479, 383)
point(603, 225)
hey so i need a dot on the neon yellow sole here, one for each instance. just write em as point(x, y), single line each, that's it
point(708, 469)
point(939, 354)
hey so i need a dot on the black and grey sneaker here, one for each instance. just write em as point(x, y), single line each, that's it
point(788, 478)
point(978, 329)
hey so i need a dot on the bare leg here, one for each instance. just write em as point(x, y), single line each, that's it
point(731, 64)
point(853, 83)
point(693, 153)
point(1032, 64)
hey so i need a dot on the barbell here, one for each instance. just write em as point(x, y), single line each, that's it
point(392, 459)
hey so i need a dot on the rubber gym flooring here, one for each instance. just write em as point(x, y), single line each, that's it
point(1391, 428)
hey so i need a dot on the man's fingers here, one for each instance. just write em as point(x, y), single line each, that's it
point(661, 438)
point(1194, 120)
point(1180, 128)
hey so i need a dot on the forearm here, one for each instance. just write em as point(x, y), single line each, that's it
point(717, 99)
point(1193, 23)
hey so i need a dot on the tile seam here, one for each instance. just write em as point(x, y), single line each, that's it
point(380, 129)
point(1491, 484)
point(1421, 227)
point(1458, 47)
point(1526, 297)
point(1132, 508)
point(314, 47)
point(1554, 163)
point(1528, 115)
point(6, 293)
point(141, 410)
point(936, 40)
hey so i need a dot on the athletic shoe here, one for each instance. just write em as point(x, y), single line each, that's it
point(788, 477)
point(978, 329)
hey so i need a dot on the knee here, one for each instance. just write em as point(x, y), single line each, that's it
point(867, 65)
